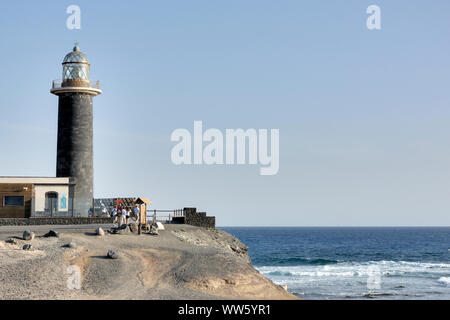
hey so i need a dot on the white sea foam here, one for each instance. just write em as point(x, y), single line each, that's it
point(395, 280)
point(351, 279)
point(385, 268)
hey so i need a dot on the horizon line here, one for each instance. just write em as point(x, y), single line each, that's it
point(444, 226)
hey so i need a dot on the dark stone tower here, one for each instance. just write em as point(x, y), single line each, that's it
point(75, 131)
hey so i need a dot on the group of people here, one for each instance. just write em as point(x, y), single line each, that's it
point(122, 215)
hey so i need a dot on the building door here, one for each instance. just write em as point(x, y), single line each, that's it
point(51, 203)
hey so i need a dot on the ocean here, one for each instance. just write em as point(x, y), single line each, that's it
point(352, 263)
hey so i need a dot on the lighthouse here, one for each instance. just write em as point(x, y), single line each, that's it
point(75, 130)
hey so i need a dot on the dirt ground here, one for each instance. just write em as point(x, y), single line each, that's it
point(182, 262)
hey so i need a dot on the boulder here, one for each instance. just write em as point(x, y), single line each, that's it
point(112, 254)
point(153, 231)
point(28, 235)
point(27, 247)
point(71, 244)
point(123, 229)
point(51, 233)
point(114, 230)
point(99, 232)
point(11, 241)
point(133, 227)
point(159, 226)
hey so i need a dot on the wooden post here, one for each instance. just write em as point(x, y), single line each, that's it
point(143, 213)
point(140, 224)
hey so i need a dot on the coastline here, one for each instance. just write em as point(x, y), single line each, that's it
point(182, 262)
point(353, 263)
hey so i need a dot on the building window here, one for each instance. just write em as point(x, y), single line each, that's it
point(13, 201)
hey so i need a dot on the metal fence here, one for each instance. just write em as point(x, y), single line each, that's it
point(152, 214)
point(164, 215)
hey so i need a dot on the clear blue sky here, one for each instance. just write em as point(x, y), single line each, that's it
point(363, 115)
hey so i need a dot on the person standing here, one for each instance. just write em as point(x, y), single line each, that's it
point(119, 215)
point(136, 213)
point(127, 215)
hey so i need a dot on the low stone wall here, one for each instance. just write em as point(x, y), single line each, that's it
point(198, 219)
point(179, 220)
point(53, 221)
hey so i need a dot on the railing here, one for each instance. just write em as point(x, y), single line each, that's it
point(57, 84)
point(156, 215)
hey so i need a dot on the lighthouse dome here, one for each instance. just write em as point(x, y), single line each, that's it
point(76, 56)
point(75, 75)
point(75, 68)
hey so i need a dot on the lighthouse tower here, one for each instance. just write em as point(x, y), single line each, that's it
point(75, 130)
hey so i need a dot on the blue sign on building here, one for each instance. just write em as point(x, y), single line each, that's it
point(63, 201)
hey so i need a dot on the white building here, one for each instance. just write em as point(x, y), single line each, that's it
point(24, 197)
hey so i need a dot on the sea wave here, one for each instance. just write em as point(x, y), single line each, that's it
point(280, 273)
point(445, 280)
point(355, 269)
point(303, 261)
point(363, 280)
